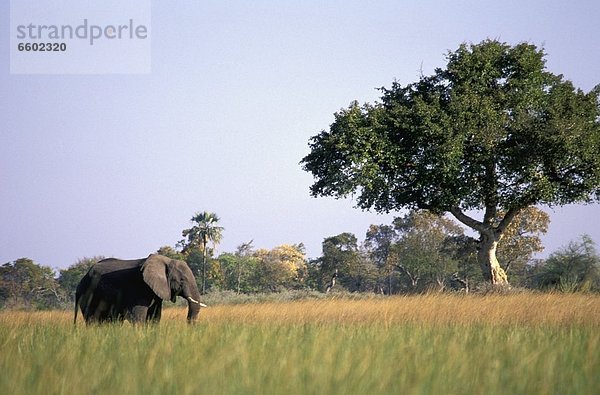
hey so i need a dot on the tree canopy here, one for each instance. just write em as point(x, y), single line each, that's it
point(24, 284)
point(494, 131)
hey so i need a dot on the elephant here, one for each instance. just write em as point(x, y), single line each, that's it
point(133, 290)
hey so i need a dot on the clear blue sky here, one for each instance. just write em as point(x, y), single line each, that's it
point(116, 165)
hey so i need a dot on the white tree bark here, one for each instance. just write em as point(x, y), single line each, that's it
point(486, 256)
point(488, 242)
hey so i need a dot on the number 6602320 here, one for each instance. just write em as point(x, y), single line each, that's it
point(42, 47)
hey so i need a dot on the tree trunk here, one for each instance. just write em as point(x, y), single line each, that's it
point(204, 242)
point(486, 256)
point(332, 282)
point(414, 279)
point(239, 277)
point(490, 236)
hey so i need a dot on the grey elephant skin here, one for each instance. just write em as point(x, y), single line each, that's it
point(133, 290)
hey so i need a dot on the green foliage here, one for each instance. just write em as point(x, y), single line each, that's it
point(25, 284)
point(494, 127)
point(463, 249)
point(493, 131)
point(378, 242)
point(204, 231)
point(420, 252)
point(341, 255)
point(378, 245)
point(576, 267)
point(251, 271)
point(236, 273)
point(194, 259)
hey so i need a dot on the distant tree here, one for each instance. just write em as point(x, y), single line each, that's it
point(283, 267)
point(378, 244)
point(227, 264)
point(245, 264)
point(575, 267)
point(314, 278)
point(463, 249)
point(198, 263)
point(198, 237)
point(340, 253)
point(25, 284)
point(493, 132)
point(365, 275)
point(69, 278)
point(355, 271)
point(419, 253)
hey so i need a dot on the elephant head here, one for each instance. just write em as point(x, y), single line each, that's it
point(169, 278)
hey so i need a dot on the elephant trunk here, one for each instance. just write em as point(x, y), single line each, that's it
point(194, 306)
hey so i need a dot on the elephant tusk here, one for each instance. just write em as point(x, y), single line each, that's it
point(195, 301)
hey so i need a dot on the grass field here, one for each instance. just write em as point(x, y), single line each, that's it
point(438, 344)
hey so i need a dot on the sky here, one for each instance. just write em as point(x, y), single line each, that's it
point(117, 164)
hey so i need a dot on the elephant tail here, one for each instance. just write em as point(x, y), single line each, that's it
point(76, 308)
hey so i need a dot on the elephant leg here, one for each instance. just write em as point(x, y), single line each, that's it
point(154, 311)
point(97, 311)
point(106, 313)
point(138, 313)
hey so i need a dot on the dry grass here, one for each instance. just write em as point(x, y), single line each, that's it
point(432, 344)
point(543, 309)
point(521, 309)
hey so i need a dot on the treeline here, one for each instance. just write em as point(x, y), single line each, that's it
point(419, 252)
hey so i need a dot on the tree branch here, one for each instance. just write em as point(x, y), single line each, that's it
point(413, 278)
point(465, 219)
point(510, 215)
point(490, 215)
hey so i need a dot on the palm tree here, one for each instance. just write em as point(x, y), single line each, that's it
point(204, 231)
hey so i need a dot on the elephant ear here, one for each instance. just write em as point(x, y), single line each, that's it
point(154, 272)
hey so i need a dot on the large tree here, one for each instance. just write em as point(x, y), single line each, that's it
point(494, 132)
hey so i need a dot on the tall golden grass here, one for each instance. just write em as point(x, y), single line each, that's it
point(431, 344)
point(434, 309)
